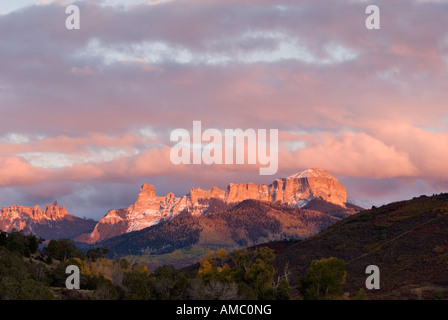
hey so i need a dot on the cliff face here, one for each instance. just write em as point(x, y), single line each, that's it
point(296, 190)
point(19, 217)
point(52, 223)
point(149, 209)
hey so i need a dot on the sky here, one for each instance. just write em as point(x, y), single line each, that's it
point(86, 115)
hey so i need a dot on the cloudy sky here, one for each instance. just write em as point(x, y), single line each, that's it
point(86, 115)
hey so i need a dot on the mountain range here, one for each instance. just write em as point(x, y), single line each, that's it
point(295, 191)
point(52, 223)
point(244, 214)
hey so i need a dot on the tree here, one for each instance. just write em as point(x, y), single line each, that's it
point(361, 295)
point(213, 266)
point(34, 290)
point(249, 271)
point(141, 268)
point(253, 273)
point(57, 276)
point(19, 242)
point(323, 280)
point(105, 290)
point(217, 290)
point(13, 269)
point(98, 253)
point(282, 291)
point(281, 285)
point(207, 269)
point(168, 283)
point(259, 278)
point(63, 249)
point(136, 285)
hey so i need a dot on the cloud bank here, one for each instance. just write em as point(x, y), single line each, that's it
point(86, 114)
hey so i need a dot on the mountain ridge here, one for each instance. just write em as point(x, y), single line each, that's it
point(407, 240)
point(53, 222)
point(296, 190)
point(312, 189)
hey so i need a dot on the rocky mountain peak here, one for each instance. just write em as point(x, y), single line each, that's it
point(313, 183)
point(145, 197)
point(147, 192)
point(22, 218)
point(312, 173)
point(54, 212)
point(198, 193)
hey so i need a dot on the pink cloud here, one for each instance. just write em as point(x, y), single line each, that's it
point(381, 114)
point(426, 148)
point(350, 154)
point(16, 171)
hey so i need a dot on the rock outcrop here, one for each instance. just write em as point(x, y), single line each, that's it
point(18, 217)
point(52, 223)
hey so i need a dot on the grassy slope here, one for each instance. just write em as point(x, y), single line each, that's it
point(407, 240)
